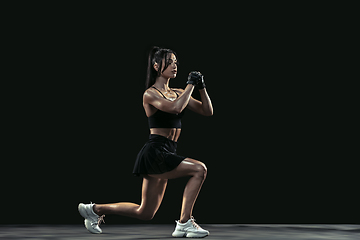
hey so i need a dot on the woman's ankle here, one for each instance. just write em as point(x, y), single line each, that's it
point(184, 220)
point(96, 210)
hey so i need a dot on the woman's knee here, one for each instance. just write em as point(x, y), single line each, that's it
point(200, 170)
point(145, 215)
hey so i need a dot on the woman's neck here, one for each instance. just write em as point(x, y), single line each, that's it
point(162, 83)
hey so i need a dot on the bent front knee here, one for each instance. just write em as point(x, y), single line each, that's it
point(201, 170)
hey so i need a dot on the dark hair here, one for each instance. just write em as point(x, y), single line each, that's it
point(156, 55)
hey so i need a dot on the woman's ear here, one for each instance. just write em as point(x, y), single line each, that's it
point(156, 66)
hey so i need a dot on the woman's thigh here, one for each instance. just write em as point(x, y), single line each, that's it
point(186, 168)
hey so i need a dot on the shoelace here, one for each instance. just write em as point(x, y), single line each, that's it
point(194, 223)
point(100, 219)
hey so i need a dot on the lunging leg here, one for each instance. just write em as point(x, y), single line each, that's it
point(197, 170)
point(153, 190)
point(191, 191)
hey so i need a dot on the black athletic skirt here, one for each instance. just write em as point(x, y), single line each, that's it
point(157, 156)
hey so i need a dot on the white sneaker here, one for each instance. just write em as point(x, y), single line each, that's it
point(189, 229)
point(92, 220)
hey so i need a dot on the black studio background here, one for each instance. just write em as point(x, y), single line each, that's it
point(81, 123)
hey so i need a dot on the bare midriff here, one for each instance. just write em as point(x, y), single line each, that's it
point(171, 133)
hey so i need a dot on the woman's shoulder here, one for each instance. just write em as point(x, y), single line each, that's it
point(150, 91)
point(149, 94)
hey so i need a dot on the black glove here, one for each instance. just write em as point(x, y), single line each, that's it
point(196, 79)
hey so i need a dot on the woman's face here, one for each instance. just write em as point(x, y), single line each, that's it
point(171, 70)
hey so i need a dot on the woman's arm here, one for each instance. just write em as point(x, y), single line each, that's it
point(204, 107)
point(175, 107)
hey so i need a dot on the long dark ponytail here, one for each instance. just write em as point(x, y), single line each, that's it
point(156, 55)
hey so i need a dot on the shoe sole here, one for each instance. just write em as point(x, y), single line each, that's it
point(178, 234)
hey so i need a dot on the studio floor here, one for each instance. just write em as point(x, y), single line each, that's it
point(163, 231)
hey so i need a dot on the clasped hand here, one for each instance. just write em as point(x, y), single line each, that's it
point(197, 79)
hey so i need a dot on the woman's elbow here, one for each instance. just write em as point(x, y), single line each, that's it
point(176, 110)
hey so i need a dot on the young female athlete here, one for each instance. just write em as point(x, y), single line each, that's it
point(157, 161)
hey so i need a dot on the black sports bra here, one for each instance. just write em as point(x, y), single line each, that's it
point(162, 119)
